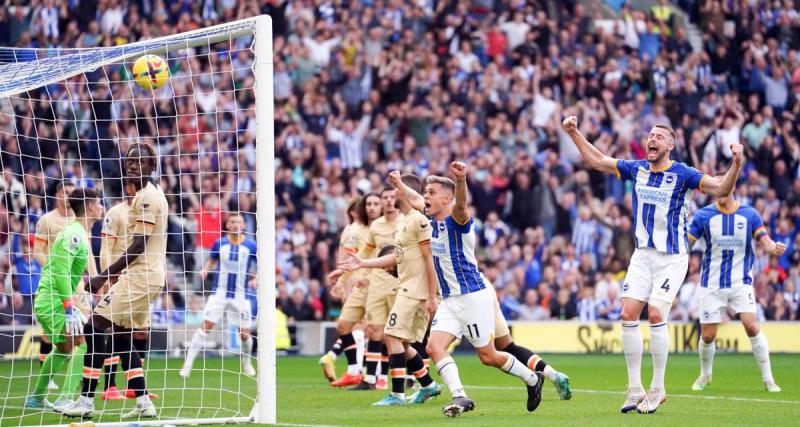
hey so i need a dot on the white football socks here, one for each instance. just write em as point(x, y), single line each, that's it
point(761, 352)
point(518, 369)
point(659, 349)
point(361, 342)
point(632, 346)
point(707, 352)
point(197, 344)
point(448, 371)
point(550, 373)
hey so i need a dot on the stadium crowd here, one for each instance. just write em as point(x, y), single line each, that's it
point(366, 87)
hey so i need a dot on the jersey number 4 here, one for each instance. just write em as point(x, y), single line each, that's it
point(665, 286)
point(473, 331)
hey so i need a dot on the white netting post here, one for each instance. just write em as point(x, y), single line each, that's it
point(265, 409)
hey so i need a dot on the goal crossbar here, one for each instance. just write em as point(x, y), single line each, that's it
point(19, 76)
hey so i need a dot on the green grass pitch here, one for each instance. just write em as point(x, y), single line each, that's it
point(736, 397)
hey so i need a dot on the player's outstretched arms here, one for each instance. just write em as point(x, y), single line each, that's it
point(355, 263)
point(591, 155)
point(460, 210)
point(721, 186)
point(416, 200)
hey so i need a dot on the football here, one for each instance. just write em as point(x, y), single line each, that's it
point(150, 72)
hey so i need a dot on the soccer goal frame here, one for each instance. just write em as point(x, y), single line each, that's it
point(19, 77)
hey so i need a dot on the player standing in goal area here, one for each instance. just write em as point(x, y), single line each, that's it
point(232, 259)
point(466, 294)
point(55, 306)
point(352, 286)
point(126, 306)
point(662, 190)
point(730, 230)
point(113, 245)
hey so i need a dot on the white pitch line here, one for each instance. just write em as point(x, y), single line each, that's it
point(304, 425)
point(685, 396)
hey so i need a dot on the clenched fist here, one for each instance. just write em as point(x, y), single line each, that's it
point(459, 170)
point(737, 150)
point(570, 124)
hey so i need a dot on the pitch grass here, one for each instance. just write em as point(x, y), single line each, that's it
point(736, 397)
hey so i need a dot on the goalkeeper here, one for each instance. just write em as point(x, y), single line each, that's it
point(55, 306)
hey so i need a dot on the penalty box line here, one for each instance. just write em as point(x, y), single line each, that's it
point(684, 396)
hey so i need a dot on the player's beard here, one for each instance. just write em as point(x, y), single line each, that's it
point(138, 182)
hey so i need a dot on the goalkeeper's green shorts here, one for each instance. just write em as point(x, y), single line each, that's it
point(52, 318)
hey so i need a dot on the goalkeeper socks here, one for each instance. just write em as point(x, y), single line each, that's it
point(349, 345)
point(761, 352)
point(52, 364)
point(659, 349)
point(632, 346)
point(707, 352)
point(417, 368)
point(74, 373)
point(519, 370)
point(397, 370)
point(373, 358)
point(448, 371)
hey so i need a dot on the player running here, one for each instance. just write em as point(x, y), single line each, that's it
point(126, 306)
point(232, 259)
point(414, 304)
point(382, 285)
point(466, 294)
point(353, 241)
point(55, 305)
point(662, 190)
point(730, 231)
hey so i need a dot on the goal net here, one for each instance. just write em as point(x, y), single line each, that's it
point(68, 118)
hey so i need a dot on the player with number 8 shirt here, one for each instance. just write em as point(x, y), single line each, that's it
point(662, 190)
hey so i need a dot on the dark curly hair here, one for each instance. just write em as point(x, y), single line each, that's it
point(150, 156)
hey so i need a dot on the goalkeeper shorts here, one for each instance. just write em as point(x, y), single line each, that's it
point(52, 319)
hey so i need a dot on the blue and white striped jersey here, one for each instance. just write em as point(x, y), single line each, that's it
point(233, 263)
point(730, 238)
point(453, 249)
point(660, 203)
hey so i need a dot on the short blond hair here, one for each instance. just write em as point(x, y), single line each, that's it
point(444, 181)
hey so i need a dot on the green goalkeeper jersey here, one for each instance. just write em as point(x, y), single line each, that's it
point(63, 270)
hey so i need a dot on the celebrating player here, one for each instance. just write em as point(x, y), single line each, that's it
point(354, 241)
point(55, 307)
point(466, 293)
point(662, 190)
point(730, 230)
point(414, 304)
point(231, 259)
point(126, 306)
point(382, 285)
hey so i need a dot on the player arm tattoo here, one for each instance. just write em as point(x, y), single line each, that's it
point(460, 210)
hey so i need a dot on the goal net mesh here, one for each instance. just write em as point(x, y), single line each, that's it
point(67, 117)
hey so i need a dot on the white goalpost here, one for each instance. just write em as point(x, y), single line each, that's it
point(67, 118)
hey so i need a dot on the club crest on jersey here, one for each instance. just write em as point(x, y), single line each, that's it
point(399, 254)
point(740, 225)
point(442, 227)
point(74, 242)
point(669, 179)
